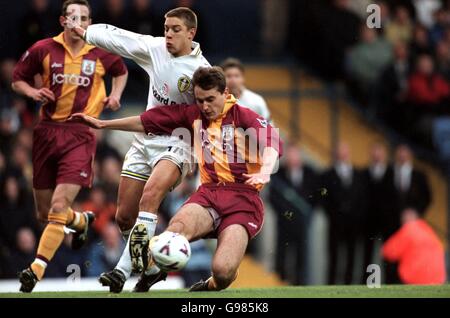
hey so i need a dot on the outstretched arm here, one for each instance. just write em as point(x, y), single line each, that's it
point(115, 40)
point(133, 123)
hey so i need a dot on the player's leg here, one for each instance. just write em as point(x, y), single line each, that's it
point(164, 176)
point(193, 221)
point(53, 234)
point(43, 201)
point(231, 245)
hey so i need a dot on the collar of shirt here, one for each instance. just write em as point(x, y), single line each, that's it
point(229, 102)
point(194, 53)
point(60, 39)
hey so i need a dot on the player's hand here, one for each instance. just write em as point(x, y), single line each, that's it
point(255, 179)
point(72, 22)
point(112, 102)
point(87, 120)
point(43, 95)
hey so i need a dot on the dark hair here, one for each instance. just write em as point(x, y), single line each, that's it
point(187, 15)
point(209, 77)
point(67, 3)
point(232, 63)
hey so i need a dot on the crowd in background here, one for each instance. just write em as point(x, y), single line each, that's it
point(400, 72)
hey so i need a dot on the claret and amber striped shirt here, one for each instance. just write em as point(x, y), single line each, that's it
point(226, 147)
point(77, 81)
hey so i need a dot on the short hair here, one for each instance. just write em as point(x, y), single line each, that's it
point(67, 3)
point(232, 62)
point(187, 15)
point(210, 77)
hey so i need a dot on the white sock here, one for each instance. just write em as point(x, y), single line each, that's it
point(150, 220)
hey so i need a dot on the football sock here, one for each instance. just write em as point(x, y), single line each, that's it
point(50, 241)
point(149, 220)
point(76, 221)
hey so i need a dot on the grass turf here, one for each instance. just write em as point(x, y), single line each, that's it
point(386, 291)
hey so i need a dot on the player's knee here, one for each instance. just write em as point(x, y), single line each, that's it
point(152, 197)
point(125, 221)
point(223, 275)
point(60, 205)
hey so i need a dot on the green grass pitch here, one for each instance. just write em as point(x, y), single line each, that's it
point(386, 291)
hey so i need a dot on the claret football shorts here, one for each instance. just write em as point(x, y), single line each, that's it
point(62, 153)
point(231, 203)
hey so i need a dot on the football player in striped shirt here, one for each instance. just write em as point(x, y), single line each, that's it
point(237, 151)
point(72, 74)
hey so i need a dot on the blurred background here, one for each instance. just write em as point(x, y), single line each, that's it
point(364, 113)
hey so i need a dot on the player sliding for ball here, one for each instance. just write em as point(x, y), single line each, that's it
point(154, 164)
point(237, 151)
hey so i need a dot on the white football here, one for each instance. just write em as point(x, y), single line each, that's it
point(170, 251)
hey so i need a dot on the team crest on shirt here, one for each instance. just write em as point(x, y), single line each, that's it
point(184, 82)
point(88, 67)
point(228, 137)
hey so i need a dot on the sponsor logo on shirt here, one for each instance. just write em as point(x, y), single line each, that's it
point(71, 79)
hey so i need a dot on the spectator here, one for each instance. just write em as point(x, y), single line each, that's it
point(16, 210)
point(411, 185)
point(393, 87)
point(144, 20)
point(443, 60)
point(420, 43)
point(104, 255)
point(113, 12)
point(345, 206)
point(292, 195)
point(367, 59)
point(38, 23)
point(417, 250)
point(104, 211)
point(400, 29)
point(110, 175)
point(23, 252)
point(442, 22)
point(379, 195)
point(234, 72)
point(428, 97)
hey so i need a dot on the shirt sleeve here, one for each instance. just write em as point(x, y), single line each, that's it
point(163, 120)
point(125, 43)
point(29, 65)
point(114, 65)
point(265, 134)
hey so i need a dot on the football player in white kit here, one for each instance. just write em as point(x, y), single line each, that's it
point(154, 164)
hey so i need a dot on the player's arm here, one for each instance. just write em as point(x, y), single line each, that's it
point(115, 40)
point(269, 143)
point(269, 160)
point(159, 120)
point(118, 85)
point(133, 123)
point(26, 68)
point(39, 95)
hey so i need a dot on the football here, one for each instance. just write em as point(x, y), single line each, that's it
point(170, 251)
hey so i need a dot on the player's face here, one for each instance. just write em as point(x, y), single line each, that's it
point(178, 36)
point(235, 79)
point(81, 13)
point(211, 102)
